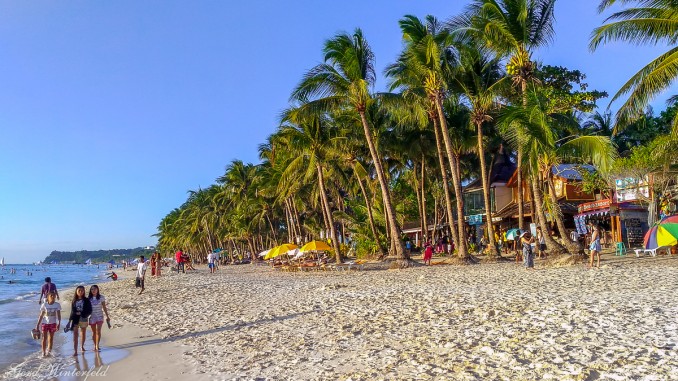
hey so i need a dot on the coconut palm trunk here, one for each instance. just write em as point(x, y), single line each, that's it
point(370, 217)
point(572, 247)
point(456, 180)
point(326, 202)
point(390, 212)
point(551, 243)
point(494, 252)
point(446, 182)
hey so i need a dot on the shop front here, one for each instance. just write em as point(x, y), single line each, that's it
point(625, 221)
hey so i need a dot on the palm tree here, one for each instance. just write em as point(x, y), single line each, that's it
point(652, 22)
point(479, 83)
point(313, 142)
point(344, 81)
point(423, 67)
point(536, 128)
point(511, 28)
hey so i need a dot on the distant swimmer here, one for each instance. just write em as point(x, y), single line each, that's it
point(11, 281)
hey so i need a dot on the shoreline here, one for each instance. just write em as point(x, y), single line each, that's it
point(489, 321)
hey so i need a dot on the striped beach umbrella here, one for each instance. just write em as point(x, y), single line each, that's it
point(665, 233)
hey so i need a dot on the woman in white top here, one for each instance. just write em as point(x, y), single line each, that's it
point(96, 319)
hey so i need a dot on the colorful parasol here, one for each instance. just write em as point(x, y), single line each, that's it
point(665, 233)
point(513, 234)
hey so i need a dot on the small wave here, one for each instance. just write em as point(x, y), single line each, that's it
point(26, 296)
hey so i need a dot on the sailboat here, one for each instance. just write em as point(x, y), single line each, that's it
point(88, 262)
point(2, 262)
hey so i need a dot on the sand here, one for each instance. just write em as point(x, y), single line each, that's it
point(489, 322)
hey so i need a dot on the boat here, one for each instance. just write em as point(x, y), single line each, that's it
point(2, 262)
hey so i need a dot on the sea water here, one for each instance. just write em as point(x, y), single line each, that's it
point(19, 309)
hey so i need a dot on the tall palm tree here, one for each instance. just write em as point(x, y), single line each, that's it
point(513, 29)
point(313, 141)
point(479, 82)
point(651, 22)
point(344, 81)
point(424, 66)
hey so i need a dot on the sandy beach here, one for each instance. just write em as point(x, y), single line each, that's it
point(490, 321)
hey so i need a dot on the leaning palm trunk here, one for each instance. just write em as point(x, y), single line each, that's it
point(370, 217)
point(456, 179)
point(323, 194)
point(494, 251)
point(399, 250)
point(572, 247)
point(552, 244)
point(446, 183)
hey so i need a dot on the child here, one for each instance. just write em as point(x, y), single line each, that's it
point(96, 319)
point(81, 308)
point(51, 311)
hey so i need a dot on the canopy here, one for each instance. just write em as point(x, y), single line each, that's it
point(665, 233)
point(513, 234)
point(315, 246)
point(284, 248)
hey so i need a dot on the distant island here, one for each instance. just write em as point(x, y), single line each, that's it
point(98, 256)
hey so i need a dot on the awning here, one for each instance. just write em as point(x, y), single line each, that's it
point(595, 213)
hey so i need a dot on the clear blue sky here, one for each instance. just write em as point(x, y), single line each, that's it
point(111, 110)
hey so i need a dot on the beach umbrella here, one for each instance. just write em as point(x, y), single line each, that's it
point(282, 249)
point(263, 253)
point(665, 233)
point(513, 234)
point(315, 246)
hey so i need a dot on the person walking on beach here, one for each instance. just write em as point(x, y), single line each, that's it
point(46, 288)
point(51, 312)
point(158, 264)
point(428, 253)
point(594, 248)
point(179, 256)
point(153, 264)
point(81, 308)
point(141, 273)
point(210, 262)
point(526, 241)
point(96, 319)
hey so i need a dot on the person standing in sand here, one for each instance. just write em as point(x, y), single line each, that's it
point(51, 311)
point(179, 256)
point(526, 240)
point(141, 273)
point(81, 308)
point(428, 253)
point(210, 261)
point(158, 264)
point(153, 263)
point(594, 247)
point(96, 319)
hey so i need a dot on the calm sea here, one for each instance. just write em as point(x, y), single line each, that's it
point(19, 308)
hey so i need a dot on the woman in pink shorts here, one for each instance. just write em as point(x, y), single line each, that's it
point(96, 319)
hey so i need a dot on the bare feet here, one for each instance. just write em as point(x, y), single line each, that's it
point(75, 353)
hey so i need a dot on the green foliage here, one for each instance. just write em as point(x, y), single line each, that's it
point(566, 90)
point(98, 256)
point(645, 129)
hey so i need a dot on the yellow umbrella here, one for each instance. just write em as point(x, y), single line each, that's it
point(315, 246)
point(284, 248)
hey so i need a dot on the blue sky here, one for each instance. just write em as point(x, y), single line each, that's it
point(111, 111)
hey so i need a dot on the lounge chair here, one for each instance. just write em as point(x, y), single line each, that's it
point(653, 252)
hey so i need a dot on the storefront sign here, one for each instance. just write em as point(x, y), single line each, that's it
point(475, 219)
point(600, 204)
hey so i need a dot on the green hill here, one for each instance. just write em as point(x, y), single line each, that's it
point(98, 256)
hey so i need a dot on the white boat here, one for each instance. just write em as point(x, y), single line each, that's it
point(2, 262)
point(88, 262)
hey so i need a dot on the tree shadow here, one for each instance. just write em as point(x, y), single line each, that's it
point(211, 331)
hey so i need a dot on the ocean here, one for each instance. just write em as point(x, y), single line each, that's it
point(19, 309)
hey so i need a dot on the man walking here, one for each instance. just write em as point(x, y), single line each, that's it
point(47, 288)
point(141, 273)
point(210, 261)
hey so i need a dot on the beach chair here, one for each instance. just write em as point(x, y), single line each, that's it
point(620, 249)
point(653, 252)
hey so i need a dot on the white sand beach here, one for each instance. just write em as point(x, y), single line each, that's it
point(490, 321)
